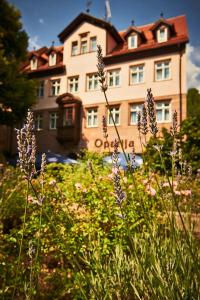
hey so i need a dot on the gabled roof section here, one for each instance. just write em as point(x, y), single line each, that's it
point(161, 22)
point(83, 17)
point(132, 29)
point(42, 55)
point(179, 36)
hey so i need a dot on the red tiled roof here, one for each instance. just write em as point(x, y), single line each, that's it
point(180, 36)
point(43, 54)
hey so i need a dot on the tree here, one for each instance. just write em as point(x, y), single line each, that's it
point(17, 92)
point(193, 103)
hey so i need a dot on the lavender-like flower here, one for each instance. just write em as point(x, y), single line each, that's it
point(27, 147)
point(100, 67)
point(139, 116)
point(90, 167)
point(151, 112)
point(105, 129)
point(144, 126)
point(119, 194)
point(132, 159)
point(174, 127)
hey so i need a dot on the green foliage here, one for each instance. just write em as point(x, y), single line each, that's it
point(193, 103)
point(190, 141)
point(16, 90)
point(151, 155)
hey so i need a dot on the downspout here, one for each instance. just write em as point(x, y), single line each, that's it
point(180, 85)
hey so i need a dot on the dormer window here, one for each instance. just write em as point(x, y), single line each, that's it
point(133, 41)
point(52, 59)
point(34, 63)
point(162, 34)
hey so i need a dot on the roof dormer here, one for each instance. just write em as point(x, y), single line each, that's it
point(52, 59)
point(134, 37)
point(162, 30)
point(34, 63)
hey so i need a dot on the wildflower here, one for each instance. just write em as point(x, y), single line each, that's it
point(174, 127)
point(84, 191)
point(119, 194)
point(110, 176)
point(27, 147)
point(144, 126)
point(150, 191)
point(78, 186)
point(139, 121)
point(100, 67)
point(178, 193)
point(132, 159)
point(151, 113)
point(90, 167)
point(52, 182)
point(105, 129)
point(186, 193)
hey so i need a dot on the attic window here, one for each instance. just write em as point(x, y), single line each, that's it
point(133, 41)
point(34, 63)
point(52, 59)
point(162, 34)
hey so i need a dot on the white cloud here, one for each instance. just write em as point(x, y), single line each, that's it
point(193, 67)
point(41, 21)
point(33, 42)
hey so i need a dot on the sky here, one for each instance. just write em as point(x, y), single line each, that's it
point(44, 20)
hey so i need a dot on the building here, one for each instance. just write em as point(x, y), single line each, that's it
point(70, 105)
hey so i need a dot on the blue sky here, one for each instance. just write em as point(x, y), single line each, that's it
point(44, 20)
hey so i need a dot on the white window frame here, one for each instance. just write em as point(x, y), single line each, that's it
point(113, 75)
point(135, 108)
point(92, 82)
point(38, 121)
point(34, 63)
point(137, 69)
point(53, 117)
point(162, 66)
point(114, 110)
point(74, 49)
point(92, 117)
point(164, 38)
point(93, 44)
point(163, 107)
point(40, 89)
point(73, 84)
point(55, 87)
point(84, 49)
point(133, 41)
point(52, 59)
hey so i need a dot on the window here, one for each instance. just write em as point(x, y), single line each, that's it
point(162, 35)
point(114, 78)
point(52, 59)
point(136, 74)
point(38, 121)
point(163, 111)
point(114, 111)
point(162, 70)
point(68, 116)
point(134, 110)
point(84, 47)
point(132, 41)
point(55, 87)
point(92, 118)
point(33, 63)
point(93, 44)
point(74, 48)
point(73, 84)
point(53, 120)
point(40, 89)
point(92, 82)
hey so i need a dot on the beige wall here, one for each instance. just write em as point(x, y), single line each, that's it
point(124, 95)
